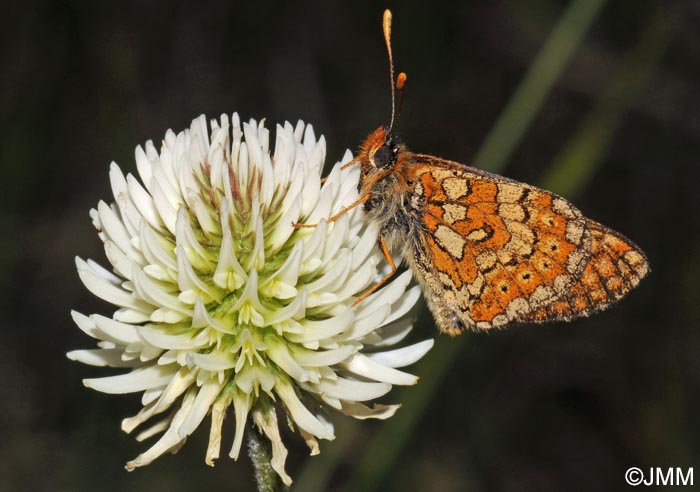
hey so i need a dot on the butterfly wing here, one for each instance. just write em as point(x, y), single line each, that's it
point(493, 251)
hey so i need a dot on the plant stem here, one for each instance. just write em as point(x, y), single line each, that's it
point(259, 450)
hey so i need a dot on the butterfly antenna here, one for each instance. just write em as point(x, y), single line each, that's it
point(400, 83)
point(386, 27)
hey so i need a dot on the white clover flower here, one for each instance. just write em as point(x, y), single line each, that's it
point(223, 303)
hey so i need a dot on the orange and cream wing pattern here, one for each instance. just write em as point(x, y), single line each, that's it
point(492, 251)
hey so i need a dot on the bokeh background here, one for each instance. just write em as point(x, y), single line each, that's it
point(597, 100)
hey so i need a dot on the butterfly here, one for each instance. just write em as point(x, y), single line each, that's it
point(488, 251)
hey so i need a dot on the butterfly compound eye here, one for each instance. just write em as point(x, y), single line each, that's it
point(384, 156)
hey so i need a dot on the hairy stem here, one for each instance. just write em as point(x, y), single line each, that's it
point(259, 450)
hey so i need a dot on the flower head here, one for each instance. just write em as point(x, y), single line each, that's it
point(225, 308)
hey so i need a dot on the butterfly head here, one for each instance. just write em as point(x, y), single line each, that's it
point(379, 155)
point(380, 150)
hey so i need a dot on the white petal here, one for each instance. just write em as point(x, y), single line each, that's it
point(165, 315)
point(229, 273)
point(348, 178)
point(370, 369)
point(188, 279)
point(287, 274)
point(143, 164)
point(323, 329)
point(299, 131)
point(214, 361)
point(251, 376)
point(311, 442)
point(250, 297)
point(293, 188)
point(300, 414)
point(153, 292)
point(309, 139)
point(241, 406)
point(157, 249)
point(123, 265)
point(404, 356)
point(365, 324)
point(144, 203)
point(404, 304)
point(365, 245)
point(113, 227)
point(205, 216)
point(293, 310)
point(146, 353)
point(132, 316)
point(336, 238)
point(136, 380)
point(279, 353)
point(106, 290)
point(218, 412)
point(128, 212)
point(166, 182)
point(173, 337)
point(322, 210)
point(285, 226)
point(167, 213)
point(87, 325)
point(101, 357)
point(313, 248)
point(359, 279)
point(394, 333)
point(322, 358)
point(360, 411)
point(386, 295)
point(151, 431)
point(104, 273)
point(169, 440)
point(151, 395)
point(313, 206)
point(115, 331)
point(346, 389)
point(177, 385)
point(268, 424)
point(205, 397)
point(338, 272)
point(256, 259)
point(159, 273)
point(254, 151)
point(188, 239)
point(202, 319)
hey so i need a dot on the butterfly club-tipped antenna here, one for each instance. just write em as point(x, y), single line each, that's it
point(397, 85)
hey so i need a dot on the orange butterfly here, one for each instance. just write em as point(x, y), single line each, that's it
point(488, 251)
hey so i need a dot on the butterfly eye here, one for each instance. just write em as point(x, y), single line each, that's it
point(384, 156)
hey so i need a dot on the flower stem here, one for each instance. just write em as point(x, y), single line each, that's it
point(259, 450)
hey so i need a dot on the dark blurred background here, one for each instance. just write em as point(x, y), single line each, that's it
point(535, 408)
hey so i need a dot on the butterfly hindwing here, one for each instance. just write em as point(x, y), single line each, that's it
point(493, 251)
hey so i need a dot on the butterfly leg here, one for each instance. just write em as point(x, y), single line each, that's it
point(343, 167)
point(390, 260)
point(357, 202)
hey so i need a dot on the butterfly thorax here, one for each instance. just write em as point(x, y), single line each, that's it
point(384, 163)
